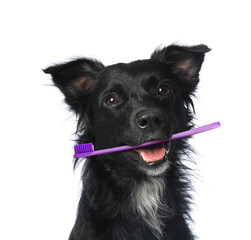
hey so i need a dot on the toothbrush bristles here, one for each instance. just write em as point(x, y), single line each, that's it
point(84, 148)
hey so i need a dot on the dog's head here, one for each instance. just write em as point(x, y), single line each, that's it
point(128, 104)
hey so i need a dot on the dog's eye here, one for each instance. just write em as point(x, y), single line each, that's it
point(112, 100)
point(164, 90)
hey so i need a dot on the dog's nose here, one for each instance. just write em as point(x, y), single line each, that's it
point(151, 120)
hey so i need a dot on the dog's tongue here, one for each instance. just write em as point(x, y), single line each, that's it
point(153, 153)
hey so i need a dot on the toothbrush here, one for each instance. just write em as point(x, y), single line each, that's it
point(85, 150)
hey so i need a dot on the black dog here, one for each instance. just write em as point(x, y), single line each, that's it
point(143, 194)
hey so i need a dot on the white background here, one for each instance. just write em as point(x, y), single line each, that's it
point(38, 189)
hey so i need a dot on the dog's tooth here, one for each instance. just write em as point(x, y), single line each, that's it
point(144, 159)
point(151, 163)
point(137, 151)
point(168, 148)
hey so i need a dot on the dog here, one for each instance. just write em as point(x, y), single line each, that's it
point(141, 194)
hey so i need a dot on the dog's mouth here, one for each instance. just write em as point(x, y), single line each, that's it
point(152, 155)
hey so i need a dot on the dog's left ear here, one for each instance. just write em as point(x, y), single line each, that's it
point(184, 62)
point(74, 78)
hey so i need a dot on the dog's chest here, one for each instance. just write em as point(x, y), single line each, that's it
point(147, 202)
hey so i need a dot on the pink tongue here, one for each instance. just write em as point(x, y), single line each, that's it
point(153, 154)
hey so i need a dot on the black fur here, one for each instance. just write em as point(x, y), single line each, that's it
point(123, 197)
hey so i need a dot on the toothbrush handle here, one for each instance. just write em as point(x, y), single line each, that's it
point(146, 144)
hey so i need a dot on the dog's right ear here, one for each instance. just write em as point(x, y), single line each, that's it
point(74, 78)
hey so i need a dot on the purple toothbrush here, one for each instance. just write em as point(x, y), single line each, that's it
point(85, 150)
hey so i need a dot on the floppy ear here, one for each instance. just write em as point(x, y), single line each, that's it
point(184, 62)
point(74, 78)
